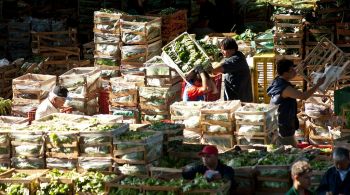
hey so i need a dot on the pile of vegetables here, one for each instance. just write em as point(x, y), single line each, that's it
point(93, 182)
point(199, 182)
point(173, 162)
point(167, 11)
point(239, 159)
point(211, 49)
point(106, 62)
point(53, 188)
point(5, 106)
point(135, 135)
point(15, 189)
point(278, 159)
point(247, 35)
point(186, 54)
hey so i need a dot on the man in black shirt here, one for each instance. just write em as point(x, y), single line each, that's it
point(212, 168)
point(336, 180)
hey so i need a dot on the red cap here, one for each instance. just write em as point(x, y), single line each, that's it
point(209, 150)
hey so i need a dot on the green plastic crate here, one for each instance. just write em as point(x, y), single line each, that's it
point(341, 96)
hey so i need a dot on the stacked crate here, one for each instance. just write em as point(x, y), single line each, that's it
point(155, 101)
point(82, 84)
point(264, 73)
point(18, 43)
point(134, 151)
point(124, 99)
point(27, 148)
point(343, 37)
point(107, 41)
point(60, 49)
point(256, 124)
point(288, 41)
point(314, 34)
point(331, 11)
point(7, 73)
point(97, 147)
point(159, 74)
point(173, 24)
point(188, 113)
point(218, 123)
point(29, 91)
point(141, 40)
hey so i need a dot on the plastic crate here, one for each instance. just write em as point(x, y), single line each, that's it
point(264, 73)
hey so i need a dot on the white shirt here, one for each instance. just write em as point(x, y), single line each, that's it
point(343, 174)
point(45, 108)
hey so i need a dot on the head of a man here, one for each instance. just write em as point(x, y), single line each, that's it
point(228, 47)
point(285, 68)
point(58, 96)
point(209, 156)
point(301, 174)
point(341, 159)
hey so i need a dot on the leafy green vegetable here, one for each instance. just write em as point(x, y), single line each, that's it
point(167, 11)
point(135, 135)
point(93, 182)
point(53, 188)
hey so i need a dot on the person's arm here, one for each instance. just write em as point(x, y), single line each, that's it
point(218, 70)
point(296, 94)
point(190, 173)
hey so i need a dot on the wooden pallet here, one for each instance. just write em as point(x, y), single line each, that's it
point(313, 36)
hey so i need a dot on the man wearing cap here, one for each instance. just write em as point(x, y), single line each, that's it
point(212, 168)
point(53, 103)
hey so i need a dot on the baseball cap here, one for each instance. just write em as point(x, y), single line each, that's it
point(210, 149)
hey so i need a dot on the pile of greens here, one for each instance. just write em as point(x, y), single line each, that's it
point(15, 189)
point(93, 182)
point(53, 188)
point(135, 135)
point(186, 54)
point(160, 126)
point(167, 11)
point(107, 62)
point(212, 50)
point(173, 162)
point(278, 159)
point(239, 159)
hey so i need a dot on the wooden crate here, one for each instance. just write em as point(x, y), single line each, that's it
point(130, 114)
point(123, 94)
point(139, 54)
point(54, 149)
point(44, 181)
point(22, 138)
point(223, 142)
point(324, 54)
point(343, 33)
point(107, 22)
point(107, 50)
point(150, 147)
point(91, 175)
point(5, 146)
point(28, 182)
point(158, 74)
point(148, 29)
point(106, 62)
point(266, 118)
point(99, 140)
point(95, 164)
point(10, 120)
point(178, 110)
point(314, 35)
point(32, 88)
point(61, 163)
point(173, 24)
point(161, 189)
point(7, 74)
point(86, 77)
point(165, 96)
point(43, 40)
point(264, 73)
point(251, 139)
point(172, 133)
point(219, 114)
point(269, 177)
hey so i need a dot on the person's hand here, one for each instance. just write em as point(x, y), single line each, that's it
point(320, 81)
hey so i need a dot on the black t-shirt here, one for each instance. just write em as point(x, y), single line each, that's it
point(287, 110)
point(238, 84)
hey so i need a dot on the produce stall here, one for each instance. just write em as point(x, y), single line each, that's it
point(141, 63)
